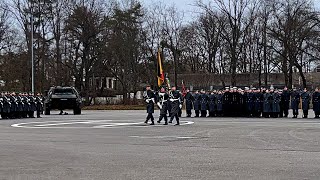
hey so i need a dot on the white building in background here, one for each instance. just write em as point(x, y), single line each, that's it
point(2, 83)
point(103, 83)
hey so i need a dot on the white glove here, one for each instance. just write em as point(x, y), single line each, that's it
point(153, 100)
point(180, 106)
point(171, 100)
point(147, 100)
point(159, 105)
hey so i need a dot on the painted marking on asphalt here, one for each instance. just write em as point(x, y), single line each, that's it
point(68, 123)
point(88, 123)
point(164, 137)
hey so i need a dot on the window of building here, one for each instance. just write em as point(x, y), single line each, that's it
point(110, 83)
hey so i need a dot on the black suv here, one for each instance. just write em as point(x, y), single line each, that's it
point(62, 98)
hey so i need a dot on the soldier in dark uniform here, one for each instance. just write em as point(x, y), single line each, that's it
point(285, 101)
point(258, 102)
point(276, 104)
point(226, 102)
point(250, 103)
point(175, 98)
point(39, 104)
point(212, 104)
point(316, 103)
point(20, 106)
point(162, 103)
point(295, 101)
point(149, 98)
point(232, 98)
point(219, 100)
point(241, 103)
point(26, 105)
point(196, 103)
point(181, 104)
point(189, 103)
point(266, 104)
point(6, 106)
point(305, 96)
point(204, 103)
point(33, 107)
point(14, 106)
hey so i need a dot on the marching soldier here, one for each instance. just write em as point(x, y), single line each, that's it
point(6, 106)
point(189, 103)
point(316, 102)
point(149, 98)
point(295, 101)
point(305, 96)
point(197, 103)
point(163, 106)
point(175, 98)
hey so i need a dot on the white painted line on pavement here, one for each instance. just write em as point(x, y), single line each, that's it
point(93, 123)
point(164, 137)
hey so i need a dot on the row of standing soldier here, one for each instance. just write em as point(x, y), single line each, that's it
point(22, 105)
point(267, 103)
point(231, 102)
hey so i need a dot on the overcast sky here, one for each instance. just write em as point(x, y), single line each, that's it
point(189, 8)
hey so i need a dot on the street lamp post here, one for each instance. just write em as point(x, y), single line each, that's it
point(32, 54)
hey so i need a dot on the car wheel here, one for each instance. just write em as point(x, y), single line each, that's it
point(77, 111)
point(47, 111)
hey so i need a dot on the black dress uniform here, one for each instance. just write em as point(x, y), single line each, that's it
point(316, 103)
point(285, 102)
point(212, 105)
point(32, 107)
point(20, 107)
point(163, 106)
point(250, 104)
point(295, 101)
point(39, 105)
point(267, 99)
point(204, 104)
point(149, 98)
point(258, 101)
point(196, 104)
point(175, 98)
point(226, 103)
point(6, 107)
point(219, 100)
point(305, 96)
point(276, 105)
point(189, 103)
point(26, 106)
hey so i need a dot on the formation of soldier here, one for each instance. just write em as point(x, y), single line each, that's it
point(231, 102)
point(252, 102)
point(20, 105)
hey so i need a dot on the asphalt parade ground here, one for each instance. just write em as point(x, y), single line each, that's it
point(117, 145)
